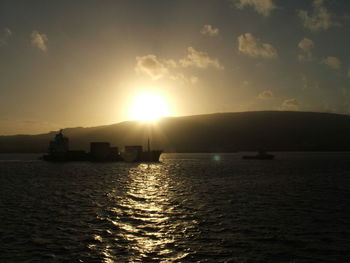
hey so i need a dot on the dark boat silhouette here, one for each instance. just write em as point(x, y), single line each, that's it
point(261, 155)
point(136, 154)
point(99, 152)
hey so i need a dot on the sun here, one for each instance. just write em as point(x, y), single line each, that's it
point(149, 107)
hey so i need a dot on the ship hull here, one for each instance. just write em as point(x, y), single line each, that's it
point(79, 158)
point(151, 156)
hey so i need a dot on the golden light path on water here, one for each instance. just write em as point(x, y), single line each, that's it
point(142, 217)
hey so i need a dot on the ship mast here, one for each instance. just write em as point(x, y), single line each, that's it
point(148, 138)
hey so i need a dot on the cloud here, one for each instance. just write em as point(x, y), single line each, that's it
point(199, 59)
point(306, 45)
point(249, 45)
point(266, 94)
point(150, 66)
point(263, 7)
point(183, 79)
point(39, 40)
point(320, 18)
point(157, 68)
point(290, 104)
point(332, 62)
point(4, 37)
point(210, 31)
point(170, 63)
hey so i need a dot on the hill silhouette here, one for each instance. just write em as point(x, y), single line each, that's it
point(220, 132)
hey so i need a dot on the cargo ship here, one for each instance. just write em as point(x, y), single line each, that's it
point(136, 154)
point(99, 152)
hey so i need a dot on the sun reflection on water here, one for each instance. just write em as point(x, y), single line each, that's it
point(147, 195)
point(142, 216)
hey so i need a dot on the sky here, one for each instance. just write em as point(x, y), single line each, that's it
point(81, 63)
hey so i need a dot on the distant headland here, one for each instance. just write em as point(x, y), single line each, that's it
point(221, 132)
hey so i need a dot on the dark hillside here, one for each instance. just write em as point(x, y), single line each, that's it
point(223, 132)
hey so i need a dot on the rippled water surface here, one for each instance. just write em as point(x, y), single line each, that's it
point(189, 208)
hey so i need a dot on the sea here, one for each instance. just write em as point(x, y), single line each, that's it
point(187, 208)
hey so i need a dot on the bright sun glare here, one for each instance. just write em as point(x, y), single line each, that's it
point(149, 107)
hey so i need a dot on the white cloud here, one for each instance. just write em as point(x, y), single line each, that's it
point(249, 45)
point(157, 68)
point(263, 7)
point(180, 77)
point(306, 45)
point(209, 30)
point(290, 104)
point(170, 63)
point(39, 40)
point(4, 37)
point(332, 62)
point(320, 18)
point(266, 94)
point(199, 59)
point(150, 66)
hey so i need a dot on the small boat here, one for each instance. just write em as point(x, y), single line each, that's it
point(261, 155)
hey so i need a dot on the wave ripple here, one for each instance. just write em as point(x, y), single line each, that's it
point(190, 208)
